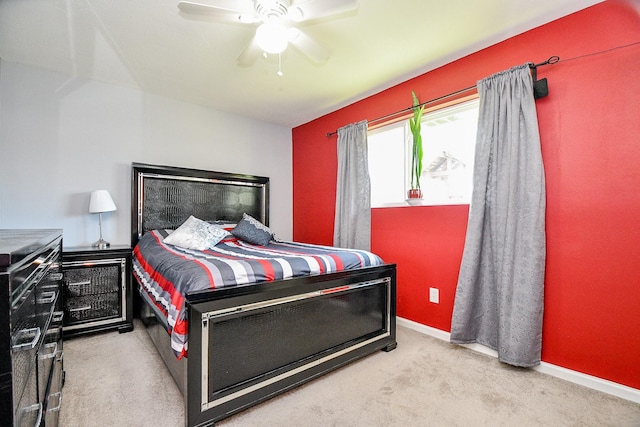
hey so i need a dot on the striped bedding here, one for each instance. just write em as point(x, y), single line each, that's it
point(166, 273)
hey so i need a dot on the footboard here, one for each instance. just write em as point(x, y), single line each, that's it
point(247, 344)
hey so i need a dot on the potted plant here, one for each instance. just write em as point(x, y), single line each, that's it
point(416, 154)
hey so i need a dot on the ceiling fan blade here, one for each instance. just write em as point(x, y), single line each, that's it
point(218, 10)
point(308, 46)
point(314, 9)
point(250, 53)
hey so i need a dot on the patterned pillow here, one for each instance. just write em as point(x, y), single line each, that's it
point(253, 231)
point(196, 234)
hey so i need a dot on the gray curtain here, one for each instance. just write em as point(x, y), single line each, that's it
point(499, 298)
point(352, 227)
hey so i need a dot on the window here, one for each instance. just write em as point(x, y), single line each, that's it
point(449, 137)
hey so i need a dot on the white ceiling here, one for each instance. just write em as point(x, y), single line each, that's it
point(148, 45)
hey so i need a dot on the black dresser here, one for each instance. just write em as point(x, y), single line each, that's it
point(31, 371)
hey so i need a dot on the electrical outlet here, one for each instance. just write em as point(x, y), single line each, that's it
point(434, 295)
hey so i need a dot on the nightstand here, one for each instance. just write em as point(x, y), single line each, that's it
point(97, 290)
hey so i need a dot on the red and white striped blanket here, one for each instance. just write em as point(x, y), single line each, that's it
point(166, 273)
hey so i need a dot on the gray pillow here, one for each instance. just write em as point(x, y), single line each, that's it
point(196, 234)
point(252, 231)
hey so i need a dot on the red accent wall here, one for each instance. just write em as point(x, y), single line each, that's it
point(590, 134)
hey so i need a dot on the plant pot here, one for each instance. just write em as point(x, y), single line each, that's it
point(415, 193)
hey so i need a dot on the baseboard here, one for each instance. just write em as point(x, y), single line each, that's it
point(605, 386)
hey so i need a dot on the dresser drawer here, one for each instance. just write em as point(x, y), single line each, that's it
point(53, 401)
point(26, 337)
point(92, 307)
point(26, 342)
point(47, 354)
point(95, 280)
point(54, 363)
point(29, 409)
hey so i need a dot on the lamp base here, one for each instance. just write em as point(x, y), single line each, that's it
point(101, 244)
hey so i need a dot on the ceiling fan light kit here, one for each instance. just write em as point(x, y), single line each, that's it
point(277, 23)
point(272, 36)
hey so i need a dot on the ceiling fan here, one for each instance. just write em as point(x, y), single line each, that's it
point(275, 22)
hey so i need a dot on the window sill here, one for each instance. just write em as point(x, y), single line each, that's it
point(422, 203)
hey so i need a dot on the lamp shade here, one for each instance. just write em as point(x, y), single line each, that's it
point(101, 201)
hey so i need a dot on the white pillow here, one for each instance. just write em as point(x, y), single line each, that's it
point(196, 234)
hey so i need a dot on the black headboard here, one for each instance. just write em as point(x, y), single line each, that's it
point(165, 196)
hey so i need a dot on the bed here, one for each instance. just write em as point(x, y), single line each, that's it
point(231, 345)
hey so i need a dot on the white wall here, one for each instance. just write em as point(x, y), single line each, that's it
point(62, 137)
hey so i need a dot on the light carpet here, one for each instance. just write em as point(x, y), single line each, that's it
point(119, 380)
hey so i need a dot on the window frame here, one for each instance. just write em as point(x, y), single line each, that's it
point(403, 121)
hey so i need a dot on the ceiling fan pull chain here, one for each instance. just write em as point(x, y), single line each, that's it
point(280, 64)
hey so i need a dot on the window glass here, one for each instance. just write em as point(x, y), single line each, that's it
point(387, 161)
point(449, 137)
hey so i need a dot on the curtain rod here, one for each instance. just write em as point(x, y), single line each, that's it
point(551, 60)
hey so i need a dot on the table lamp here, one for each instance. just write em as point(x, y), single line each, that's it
point(101, 201)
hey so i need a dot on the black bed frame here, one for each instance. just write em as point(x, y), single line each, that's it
point(250, 343)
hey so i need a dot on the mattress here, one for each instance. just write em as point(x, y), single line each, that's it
point(167, 273)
